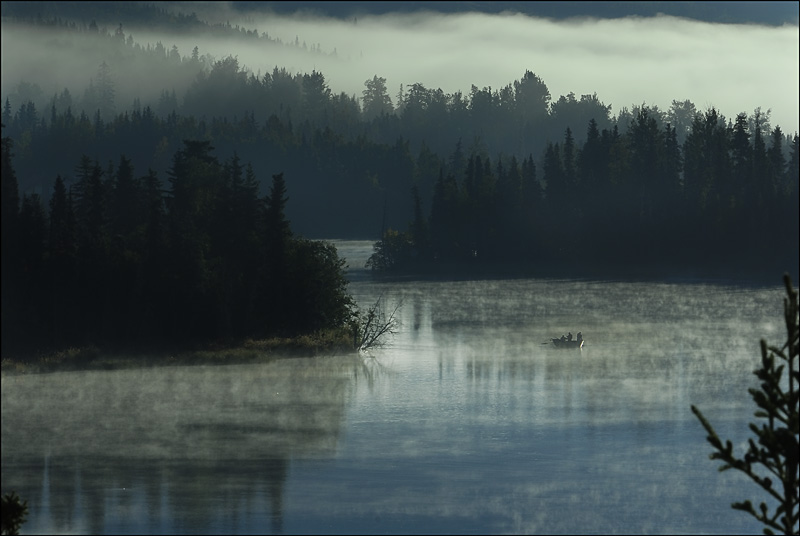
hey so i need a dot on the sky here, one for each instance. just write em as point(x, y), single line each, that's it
point(624, 61)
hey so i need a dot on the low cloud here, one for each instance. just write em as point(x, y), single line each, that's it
point(735, 68)
point(625, 61)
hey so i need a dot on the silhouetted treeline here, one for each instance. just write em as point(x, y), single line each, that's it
point(120, 257)
point(515, 119)
point(705, 189)
point(350, 158)
point(505, 173)
point(338, 185)
point(724, 198)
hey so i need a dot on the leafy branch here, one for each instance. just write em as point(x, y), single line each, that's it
point(14, 512)
point(776, 448)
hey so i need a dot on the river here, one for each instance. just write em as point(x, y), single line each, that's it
point(467, 422)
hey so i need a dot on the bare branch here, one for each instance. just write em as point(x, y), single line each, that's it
point(372, 328)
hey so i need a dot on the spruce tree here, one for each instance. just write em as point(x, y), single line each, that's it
point(771, 459)
point(61, 263)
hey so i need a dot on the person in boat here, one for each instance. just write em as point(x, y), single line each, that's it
point(580, 337)
point(569, 337)
point(563, 339)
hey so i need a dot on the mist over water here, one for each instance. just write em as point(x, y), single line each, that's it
point(466, 423)
point(173, 449)
point(180, 412)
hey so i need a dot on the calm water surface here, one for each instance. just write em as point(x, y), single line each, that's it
point(466, 423)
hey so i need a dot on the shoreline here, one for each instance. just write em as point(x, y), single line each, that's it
point(654, 273)
point(92, 357)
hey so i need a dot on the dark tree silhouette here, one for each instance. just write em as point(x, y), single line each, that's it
point(773, 452)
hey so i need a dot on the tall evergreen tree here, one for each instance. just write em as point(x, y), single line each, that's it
point(32, 233)
point(9, 197)
point(508, 208)
point(645, 142)
point(419, 226)
point(316, 96)
point(777, 162)
point(277, 238)
point(105, 92)
point(669, 178)
point(532, 206)
point(445, 218)
point(553, 228)
point(762, 186)
point(91, 209)
point(532, 99)
point(61, 241)
point(277, 225)
point(195, 179)
point(793, 193)
point(376, 100)
point(741, 161)
point(590, 162)
point(568, 155)
point(793, 170)
point(125, 204)
point(62, 252)
point(157, 298)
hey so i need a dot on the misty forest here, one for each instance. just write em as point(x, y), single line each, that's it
point(197, 211)
point(399, 267)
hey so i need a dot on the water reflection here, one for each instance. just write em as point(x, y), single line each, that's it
point(568, 442)
point(98, 496)
point(466, 423)
point(202, 449)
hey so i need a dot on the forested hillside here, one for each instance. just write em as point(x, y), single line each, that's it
point(159, 201)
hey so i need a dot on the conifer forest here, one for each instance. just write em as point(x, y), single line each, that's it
point(201, 211)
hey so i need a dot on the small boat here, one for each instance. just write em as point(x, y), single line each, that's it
point(565, 344)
